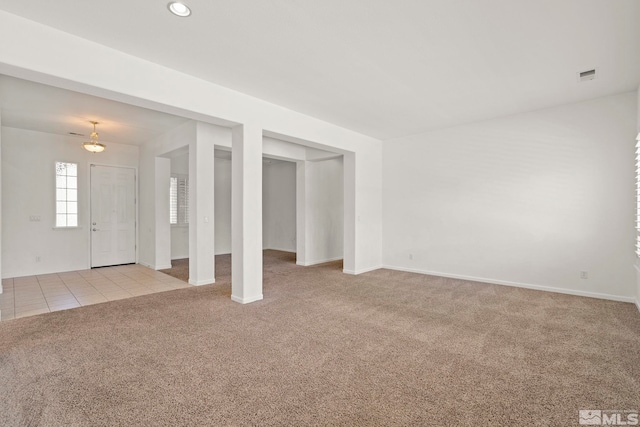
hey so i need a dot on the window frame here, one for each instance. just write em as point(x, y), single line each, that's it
point(181, 200)
point(66, 201)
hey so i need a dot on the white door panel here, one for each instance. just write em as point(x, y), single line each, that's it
point(113, 217)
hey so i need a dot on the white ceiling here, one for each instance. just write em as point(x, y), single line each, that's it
point(33, 106)
point(383, 68)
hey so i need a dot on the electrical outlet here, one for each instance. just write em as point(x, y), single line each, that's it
point(410, 256)
point(584, 275)
point(38, 258)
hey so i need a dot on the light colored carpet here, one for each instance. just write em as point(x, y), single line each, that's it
point(180, 269)
point(323, 348)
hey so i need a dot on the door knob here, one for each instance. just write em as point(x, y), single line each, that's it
point(95, 229)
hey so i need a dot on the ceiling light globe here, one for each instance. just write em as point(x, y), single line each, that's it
point(94, 147)
point(179, 9)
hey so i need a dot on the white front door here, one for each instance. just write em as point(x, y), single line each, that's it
point(113, 216)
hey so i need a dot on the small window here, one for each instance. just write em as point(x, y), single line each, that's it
point(66, 194)
point(179, 199)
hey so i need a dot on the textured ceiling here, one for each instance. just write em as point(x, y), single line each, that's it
point(382, 68)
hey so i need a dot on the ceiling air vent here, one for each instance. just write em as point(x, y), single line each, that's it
point(75, 134)
point(583, 76)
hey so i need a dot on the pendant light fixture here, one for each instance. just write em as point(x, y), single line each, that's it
point(93, 145)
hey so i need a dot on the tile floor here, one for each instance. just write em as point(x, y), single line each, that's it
point(28, 296)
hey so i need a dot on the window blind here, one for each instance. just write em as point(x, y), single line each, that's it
point(183, 200)
point(179, 199)
point(173, 200)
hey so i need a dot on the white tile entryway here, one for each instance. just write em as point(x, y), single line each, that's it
point(31, 295)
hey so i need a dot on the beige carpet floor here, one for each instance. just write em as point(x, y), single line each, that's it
point(323, 348)
point(180, 268)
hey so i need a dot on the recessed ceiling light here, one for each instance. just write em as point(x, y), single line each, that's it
point(179, 9)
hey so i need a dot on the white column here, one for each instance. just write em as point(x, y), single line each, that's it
point(201, 209)
point(0, 203)
point(162, 258)
point(350, 220)
point(246, 213)
point(301, 213)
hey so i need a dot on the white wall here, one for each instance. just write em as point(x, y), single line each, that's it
point(279, 206)
point(1, 270)
point(322, 210)
point(223, 206)
point(162, 172)
point(531, 199)
point(637, 262)
point(146, 207)
point(28, 189)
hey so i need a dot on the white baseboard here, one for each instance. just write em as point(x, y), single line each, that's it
point(517, 284)
point(246, 300)
point(293, 251)
point(308, 263)
point(154, 267)
point(361, 271)
point(638, 304)
point(202, 282)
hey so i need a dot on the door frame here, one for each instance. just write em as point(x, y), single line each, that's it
point(136, 199)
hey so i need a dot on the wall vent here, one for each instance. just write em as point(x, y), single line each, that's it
point(583, 76)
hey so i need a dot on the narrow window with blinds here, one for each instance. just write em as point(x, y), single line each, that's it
point(173, 200)
point(179, 199)
point(66, 194)
point(638, 196)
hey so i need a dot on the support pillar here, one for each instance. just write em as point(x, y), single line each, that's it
point(301, 213)
point(350, 219)
point(0, 207)
point(162, 257)
point(201, 209)
point(246, 213)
